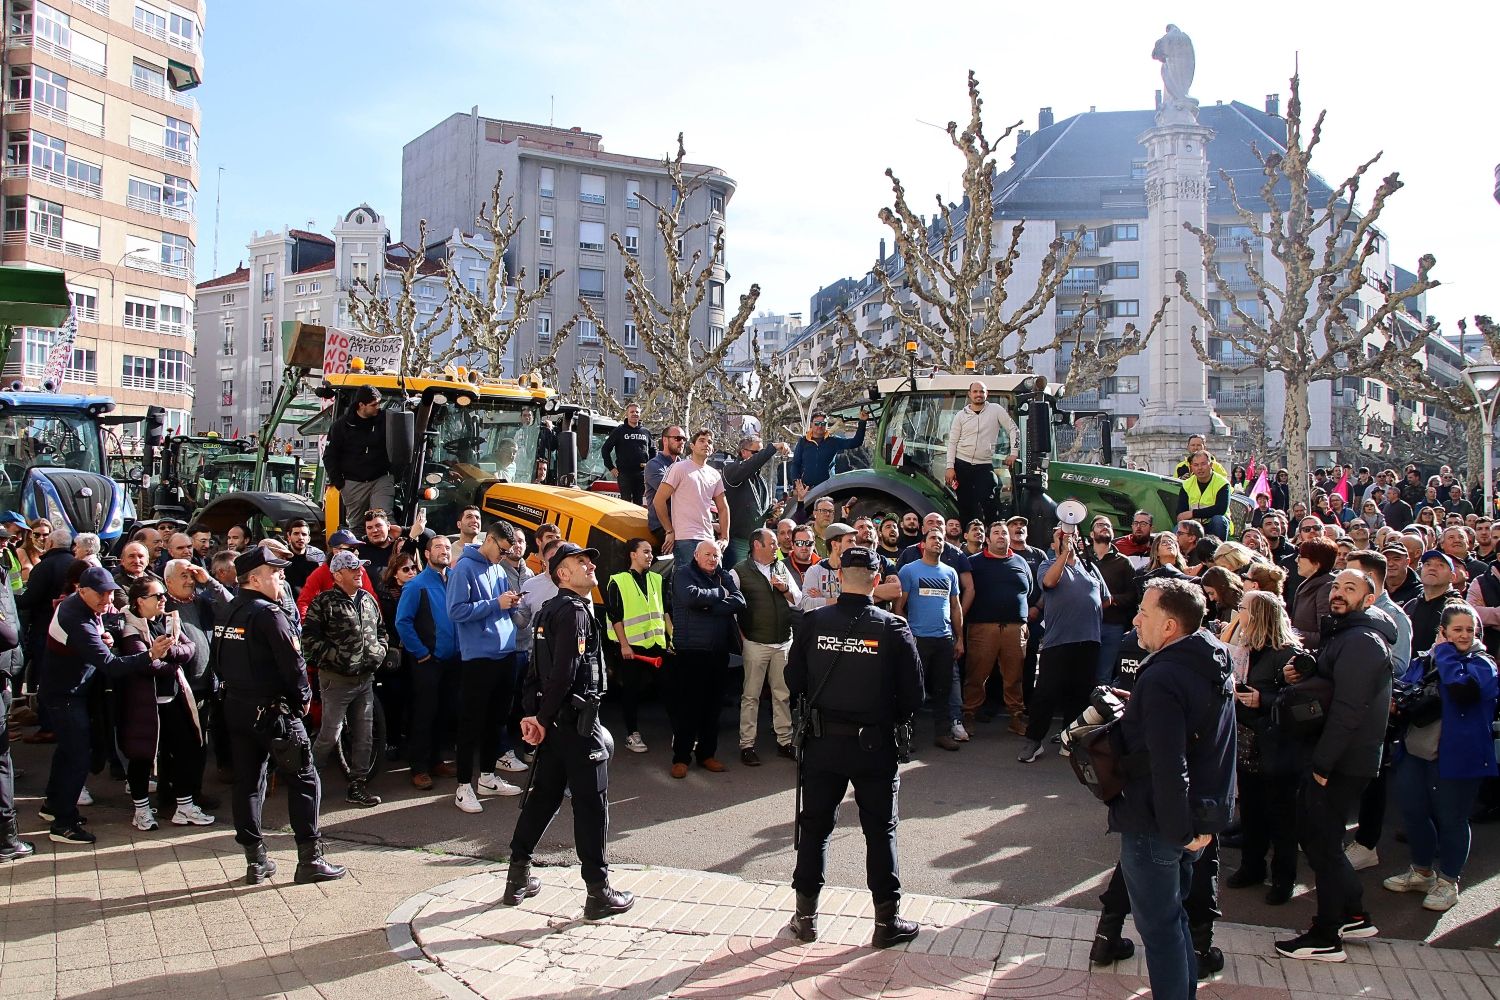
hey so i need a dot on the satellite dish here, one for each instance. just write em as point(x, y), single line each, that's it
point(1072, 513)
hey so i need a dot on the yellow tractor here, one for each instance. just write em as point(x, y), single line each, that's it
point(455, 438)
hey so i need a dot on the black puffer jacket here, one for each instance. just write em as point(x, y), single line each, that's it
point(1356, 656)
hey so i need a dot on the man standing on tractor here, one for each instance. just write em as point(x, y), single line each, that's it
point(971, 450)
point(1195, 444)
point(812, 460)
point(626, 452)
point(356, 460)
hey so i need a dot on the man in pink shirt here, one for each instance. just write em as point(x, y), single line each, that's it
point(687, 498)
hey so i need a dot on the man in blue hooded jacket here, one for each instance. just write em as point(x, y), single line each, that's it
point(1180, 790)
point(480, 605)
point(428, 636)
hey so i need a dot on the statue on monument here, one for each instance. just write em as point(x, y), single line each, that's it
point(1174, 51)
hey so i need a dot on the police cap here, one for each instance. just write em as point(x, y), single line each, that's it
point(564, 551)
point(254, 559)
point(860, 557)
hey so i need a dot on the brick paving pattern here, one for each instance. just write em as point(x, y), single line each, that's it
point(715, 937)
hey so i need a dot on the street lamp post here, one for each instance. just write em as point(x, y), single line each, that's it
point(1483, 378)
point(806, 384)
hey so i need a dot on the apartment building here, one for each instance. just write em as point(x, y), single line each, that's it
point(573, 195)
point(101, 182)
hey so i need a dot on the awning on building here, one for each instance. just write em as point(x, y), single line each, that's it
point(33, 297)
point(181, 76)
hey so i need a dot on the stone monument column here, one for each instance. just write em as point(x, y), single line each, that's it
point(1176, 193)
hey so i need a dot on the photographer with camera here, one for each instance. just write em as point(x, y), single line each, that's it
point(1446, 703)
point(854, 672)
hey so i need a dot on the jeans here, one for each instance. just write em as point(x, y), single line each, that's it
point(1159, 876)
point(1436, 813)
point(937, 667)
point(989, 644)
point(70, 758)
point(7, 770)
point(739, 548)
point(683, 549)
point(1322, 814)
point(351, 698)
point(1111, 637)
point(765, 664)
point(1218, 526)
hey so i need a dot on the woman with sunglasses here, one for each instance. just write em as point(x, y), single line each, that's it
point(158, 715)
point(38, 540)
point(393, 687)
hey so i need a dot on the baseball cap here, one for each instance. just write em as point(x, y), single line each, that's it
point(343, 537)
point(11, 517)
point(564, 551)
point(836, 530)
point(367, 394)
point(98, 578)
point(254, 559)
point(1436, 554)
point(345, 560)
point(860, 557)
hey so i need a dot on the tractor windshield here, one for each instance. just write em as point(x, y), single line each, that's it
point(916, 432)
point(56, 438)
point(499, 442)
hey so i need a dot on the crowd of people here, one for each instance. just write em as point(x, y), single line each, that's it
point(1327, 659)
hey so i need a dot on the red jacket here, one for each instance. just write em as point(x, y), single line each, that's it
point(320, 580)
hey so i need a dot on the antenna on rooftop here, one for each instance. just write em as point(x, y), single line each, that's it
point(218, 192)
point(552, 109)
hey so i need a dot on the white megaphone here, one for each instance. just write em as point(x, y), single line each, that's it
point(1071, 514)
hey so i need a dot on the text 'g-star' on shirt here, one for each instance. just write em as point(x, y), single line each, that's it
point(929, 591)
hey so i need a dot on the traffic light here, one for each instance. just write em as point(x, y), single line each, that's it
point(156, 426)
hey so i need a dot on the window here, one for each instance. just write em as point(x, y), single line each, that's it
point(182, 31)
point(150, 21)
point(716, 202)
point(591, 236)
point(545, 183)
point(633, 240)
point(177, 255)
point(148, 79)
point(83, 366)
point(1122, 307)
point(301, 288)
point(138, 372)
point(228, 351)
point(315, 287)
point(679, 248)
point(267, 283)
point(543, 326)
point(632, 194)
point(85, 303)
point(177, 136)
point(627, 384)
point(588, 333)
point(227, 299)
point(172, 370)
point(359, 270)
point(632, 338)
point(267, 334)
point(1130, 231)
point(174, 319)
point(591, 189)
point(591, 282)
point(226, 393)
point(544, 230)
point(1375, 391)
point(715, 337)
point(267, 388)
point(1137, 169)
point(1126, 269)
point(1120, 385)
point(140, 315)
point(427, 291)
point(716, 294)
point(543, 274)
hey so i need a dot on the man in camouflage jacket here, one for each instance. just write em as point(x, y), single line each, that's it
point(344, 640)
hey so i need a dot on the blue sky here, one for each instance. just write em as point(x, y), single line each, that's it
point(805, 105)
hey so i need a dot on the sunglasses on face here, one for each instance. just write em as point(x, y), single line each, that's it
point(803, 545)
point(41, 534)
point(152, 597)
point(676, 437)
point(820, 423)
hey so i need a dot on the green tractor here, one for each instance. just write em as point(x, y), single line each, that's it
point(909, 457)
point(196, 468)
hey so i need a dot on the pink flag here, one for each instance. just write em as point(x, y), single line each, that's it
point(1342, 487)
point(1261, 486)
point(1250, 472)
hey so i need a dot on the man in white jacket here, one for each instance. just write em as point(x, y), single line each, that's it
point(972, 438)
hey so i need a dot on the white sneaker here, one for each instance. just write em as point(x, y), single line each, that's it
point(493, 784)
point(144, 819)
point(509, 762)
point(1411, 880)
point(466, 800)
point(84, 798)
point(635, 744)
point(960, 733)
point(191, 815)
point(1361, 857)
point(1444, 896)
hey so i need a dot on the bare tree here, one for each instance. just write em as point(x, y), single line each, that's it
point(680, 376)
point(1414, 380)
point(1309, 326)
point(951, 290)
point(481, 321)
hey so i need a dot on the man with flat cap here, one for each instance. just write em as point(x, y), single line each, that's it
point(563, 688)
point(266, 696)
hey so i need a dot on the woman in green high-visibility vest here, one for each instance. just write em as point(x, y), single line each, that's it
point(636, 608)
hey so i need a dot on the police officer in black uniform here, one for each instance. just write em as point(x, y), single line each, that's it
point(857, 666)
point(266, 695)
point(563, 689)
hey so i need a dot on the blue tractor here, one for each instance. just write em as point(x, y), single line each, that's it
point(53, 464)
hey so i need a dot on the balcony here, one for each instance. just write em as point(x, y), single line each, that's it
point(78, 375)
point(146, 27)
point(37, 109)
point(150, 384)
point(161, 92)
point(141, 262)
point(86, 188)
point(1240, 400)
point(185, 44)
point(139, 322)
point(97, 6)
point(154, 207)
point(1065, 323)
point(165, 152)
point(54, 50)
point(1236, 282)
point(591, 199)
point(1088, 248)
point(1239, 244)
point(56, 244)
point(1078, 286)
point(86, 314)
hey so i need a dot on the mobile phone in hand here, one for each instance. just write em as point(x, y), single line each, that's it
point(1243, 688)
